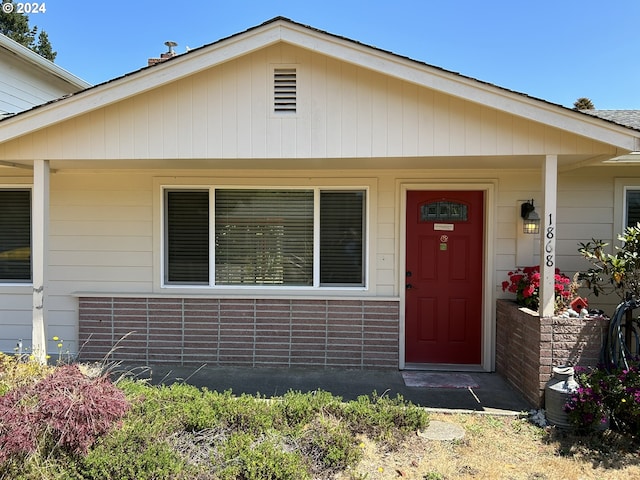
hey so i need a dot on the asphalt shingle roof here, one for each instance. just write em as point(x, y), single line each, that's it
point(628, 118)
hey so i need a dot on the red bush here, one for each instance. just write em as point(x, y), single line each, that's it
point(65, 409)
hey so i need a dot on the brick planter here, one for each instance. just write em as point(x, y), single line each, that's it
point(528, 347)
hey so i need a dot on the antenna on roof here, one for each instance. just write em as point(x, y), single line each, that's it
point(170, 46)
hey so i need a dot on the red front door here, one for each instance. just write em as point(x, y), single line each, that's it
point(443, 318)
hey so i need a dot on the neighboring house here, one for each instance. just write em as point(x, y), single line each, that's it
point(28, 79)
point(629, 118)
point(288, 197)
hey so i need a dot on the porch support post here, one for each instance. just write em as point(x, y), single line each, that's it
point(39, 249)
point(548, 236)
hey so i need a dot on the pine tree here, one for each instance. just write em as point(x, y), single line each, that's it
point(44, 48)
point(16, 26)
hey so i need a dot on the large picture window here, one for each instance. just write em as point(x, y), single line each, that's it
point(15, 235)
point(265, 237)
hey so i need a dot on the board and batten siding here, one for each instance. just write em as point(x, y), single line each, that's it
point(226, 112)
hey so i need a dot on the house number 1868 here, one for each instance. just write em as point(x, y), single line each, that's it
point(549, 245)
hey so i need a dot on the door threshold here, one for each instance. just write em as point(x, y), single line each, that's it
point(444, 367)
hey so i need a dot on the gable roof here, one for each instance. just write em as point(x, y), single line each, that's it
point(281, 29)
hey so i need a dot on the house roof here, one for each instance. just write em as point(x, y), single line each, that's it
point(42, 63)
point(281, 29)
point(628, 118)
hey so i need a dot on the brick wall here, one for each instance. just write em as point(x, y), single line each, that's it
point(251, 332)
point(528, 347)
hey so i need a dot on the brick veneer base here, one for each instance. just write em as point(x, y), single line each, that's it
point(251, 332)
point(528, 347)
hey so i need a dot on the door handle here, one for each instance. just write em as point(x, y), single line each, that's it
point(408, 286)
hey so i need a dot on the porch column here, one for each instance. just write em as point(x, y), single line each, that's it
point(39, 249)
point(548, 236)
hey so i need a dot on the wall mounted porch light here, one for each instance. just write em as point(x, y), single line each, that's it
point(530, 218)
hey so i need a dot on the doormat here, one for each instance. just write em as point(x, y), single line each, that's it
point(438, 380)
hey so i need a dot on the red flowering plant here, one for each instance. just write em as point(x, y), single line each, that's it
point(525, 283)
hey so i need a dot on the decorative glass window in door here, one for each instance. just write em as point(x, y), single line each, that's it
point(443, 211)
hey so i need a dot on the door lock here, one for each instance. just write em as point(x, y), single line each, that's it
point(408, 286)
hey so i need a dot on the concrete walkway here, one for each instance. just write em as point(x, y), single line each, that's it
point(465, 391)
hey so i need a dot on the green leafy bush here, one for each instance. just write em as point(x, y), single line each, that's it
point(297, 409)
point(618, 272)
point(130, 455)
point(384, 418)
point(330, 444)
point(267, 457)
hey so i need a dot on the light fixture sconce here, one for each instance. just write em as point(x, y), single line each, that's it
point(530, 218)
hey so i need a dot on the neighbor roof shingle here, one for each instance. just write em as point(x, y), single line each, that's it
point(628, 118)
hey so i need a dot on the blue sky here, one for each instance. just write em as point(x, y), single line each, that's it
point(557, 50)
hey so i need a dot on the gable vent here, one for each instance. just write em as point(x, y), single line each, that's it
point(284, 90)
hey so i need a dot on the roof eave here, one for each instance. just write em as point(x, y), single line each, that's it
point(42, 63)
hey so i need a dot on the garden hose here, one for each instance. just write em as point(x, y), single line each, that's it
point(615, 353)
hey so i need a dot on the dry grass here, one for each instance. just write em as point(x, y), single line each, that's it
point(502, 448)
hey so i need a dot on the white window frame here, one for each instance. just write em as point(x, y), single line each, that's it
point(316, 286)
point(622, 186)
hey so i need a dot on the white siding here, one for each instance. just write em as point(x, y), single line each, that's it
point(101, 240)
point(343, 111)
point(23, 86)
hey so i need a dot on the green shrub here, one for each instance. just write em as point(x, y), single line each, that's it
point(249, 414)
point(384, 418)
point(123, 457)
point(297, 409)
point(264, 458)
point(330, 445)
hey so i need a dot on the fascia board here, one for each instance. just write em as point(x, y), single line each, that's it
point(37, 60)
